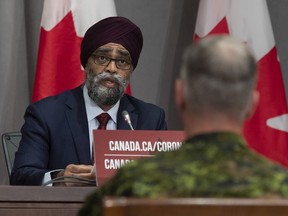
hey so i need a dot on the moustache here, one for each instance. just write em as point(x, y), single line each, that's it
point(105, 76)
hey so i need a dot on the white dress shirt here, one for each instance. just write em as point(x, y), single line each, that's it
point(93, 110)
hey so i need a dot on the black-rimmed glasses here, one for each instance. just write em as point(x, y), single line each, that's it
point(103, 60)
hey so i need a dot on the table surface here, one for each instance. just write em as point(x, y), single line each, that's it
point(44, 194)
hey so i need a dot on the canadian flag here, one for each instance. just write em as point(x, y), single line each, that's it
point(249, 21)
point(63, 25)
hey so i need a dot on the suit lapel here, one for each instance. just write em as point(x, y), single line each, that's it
point(77, 120)
point(126, 105)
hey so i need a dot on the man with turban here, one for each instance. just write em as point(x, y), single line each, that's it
point(57, 133)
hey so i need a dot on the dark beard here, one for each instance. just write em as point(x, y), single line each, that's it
point(102, 95)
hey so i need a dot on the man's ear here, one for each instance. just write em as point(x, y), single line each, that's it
point(83, 69)
point(253, 104)
point(180, 94)
point(86, 69)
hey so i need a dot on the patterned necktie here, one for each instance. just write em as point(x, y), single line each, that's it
point(103, 119)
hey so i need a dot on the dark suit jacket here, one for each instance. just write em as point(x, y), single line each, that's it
point(55, 133)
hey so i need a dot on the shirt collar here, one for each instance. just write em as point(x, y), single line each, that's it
point(93, 110)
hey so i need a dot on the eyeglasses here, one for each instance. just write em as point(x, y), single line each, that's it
point(103, 60)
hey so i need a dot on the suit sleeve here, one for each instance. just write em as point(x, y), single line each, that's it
point(32, 157)
point(162, 122)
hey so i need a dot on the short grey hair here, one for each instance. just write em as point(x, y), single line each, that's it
point(220, 74)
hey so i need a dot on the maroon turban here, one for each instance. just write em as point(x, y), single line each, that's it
point(118, 30)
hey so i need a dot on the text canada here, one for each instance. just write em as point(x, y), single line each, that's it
point(148, 146)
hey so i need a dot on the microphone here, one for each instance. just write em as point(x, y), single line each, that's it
point(126, 117)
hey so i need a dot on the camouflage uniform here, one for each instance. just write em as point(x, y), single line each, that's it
point(208, 165)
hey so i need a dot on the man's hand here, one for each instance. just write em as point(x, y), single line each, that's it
point(83, 171)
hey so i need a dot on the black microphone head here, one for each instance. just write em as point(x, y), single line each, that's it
point(125, 113)
point(126, 117)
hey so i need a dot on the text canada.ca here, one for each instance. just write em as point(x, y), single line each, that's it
point(149, 146)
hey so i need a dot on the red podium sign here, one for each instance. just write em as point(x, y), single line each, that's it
point(115, 148)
